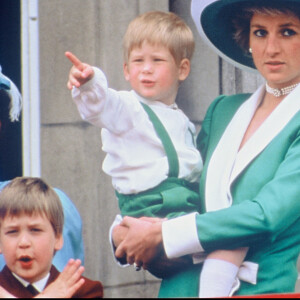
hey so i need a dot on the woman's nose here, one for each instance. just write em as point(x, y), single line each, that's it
point(272, 45)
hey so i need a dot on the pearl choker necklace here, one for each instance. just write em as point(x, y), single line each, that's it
point(280, 92)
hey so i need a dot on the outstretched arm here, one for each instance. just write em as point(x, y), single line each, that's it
point(80, 72)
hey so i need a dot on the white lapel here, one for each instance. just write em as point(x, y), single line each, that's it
point(223, 158)
point(279, 118)
point(227, 162)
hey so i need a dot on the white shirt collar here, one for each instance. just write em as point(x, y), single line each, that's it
point(153, 102)
point(38, 285)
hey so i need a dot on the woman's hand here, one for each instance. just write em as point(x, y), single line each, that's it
point(143, 241)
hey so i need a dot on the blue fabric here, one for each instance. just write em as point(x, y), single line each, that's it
point(4, 83)
point(72, 233)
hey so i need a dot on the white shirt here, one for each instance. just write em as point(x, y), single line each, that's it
point(135, 157)
point(38, 285)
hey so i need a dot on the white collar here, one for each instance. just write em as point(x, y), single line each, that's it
point(38, 285)
point(224, 168)
point(153, 102)
point(271, 127)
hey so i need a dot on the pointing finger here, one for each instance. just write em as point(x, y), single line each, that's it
point(74, 60)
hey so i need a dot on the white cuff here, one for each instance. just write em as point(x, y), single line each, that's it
point(180, 236)
point(117, 221)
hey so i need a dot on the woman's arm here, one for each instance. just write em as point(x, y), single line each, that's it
point(261, 219)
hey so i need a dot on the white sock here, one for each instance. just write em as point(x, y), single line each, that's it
point(217, 278)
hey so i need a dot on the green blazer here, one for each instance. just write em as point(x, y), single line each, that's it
point(265, 210)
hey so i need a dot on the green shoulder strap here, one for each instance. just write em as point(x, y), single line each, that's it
point(166, 141)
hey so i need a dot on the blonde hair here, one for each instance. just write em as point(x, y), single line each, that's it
point(30, 195)
point(160, 28)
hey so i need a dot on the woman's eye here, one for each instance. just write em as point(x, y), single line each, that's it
point(288, 32)
point(260, 33)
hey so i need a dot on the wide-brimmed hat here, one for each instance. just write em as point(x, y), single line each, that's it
point(13, 93)
point(213, 19)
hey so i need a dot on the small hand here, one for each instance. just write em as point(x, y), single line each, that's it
point(80, 72)
point(118, 234)
point(5, 294)
point(152, 219)
point(67, 283)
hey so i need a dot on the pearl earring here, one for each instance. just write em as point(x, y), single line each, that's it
point(250, 50)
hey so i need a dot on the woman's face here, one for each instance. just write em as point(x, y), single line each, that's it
point(275, 43)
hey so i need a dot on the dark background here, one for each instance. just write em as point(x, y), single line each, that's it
point(10, 61)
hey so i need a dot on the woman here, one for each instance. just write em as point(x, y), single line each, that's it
point(251, 148)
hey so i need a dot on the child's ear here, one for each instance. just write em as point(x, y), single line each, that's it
point(59, 242)
point(184, 69)
point(126, 71)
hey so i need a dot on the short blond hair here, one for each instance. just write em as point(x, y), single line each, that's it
point(160, 28)
point(31, 195)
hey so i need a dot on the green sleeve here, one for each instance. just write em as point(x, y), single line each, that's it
point(274, 208)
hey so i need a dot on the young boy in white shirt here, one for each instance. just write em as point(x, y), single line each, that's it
point(149, 142)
